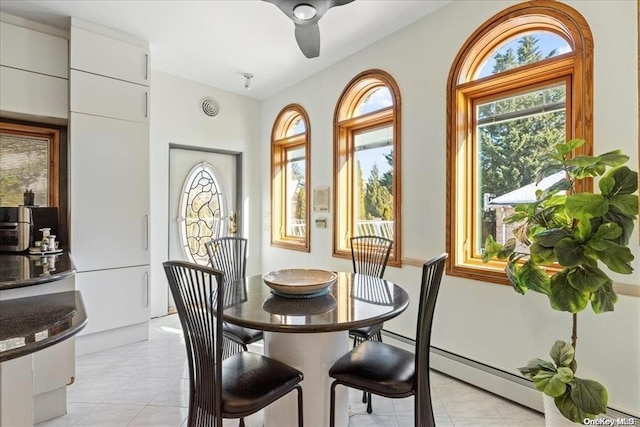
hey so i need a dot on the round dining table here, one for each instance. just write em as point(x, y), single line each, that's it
point(310, 333)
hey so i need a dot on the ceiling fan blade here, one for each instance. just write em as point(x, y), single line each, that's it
point(307, 31)
point(308, 38)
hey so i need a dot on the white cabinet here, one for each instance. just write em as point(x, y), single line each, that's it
point(28, 93)
point(109, 192)
point(114, 298)
point(99, 96)
point(107, 56)
point(30, 50)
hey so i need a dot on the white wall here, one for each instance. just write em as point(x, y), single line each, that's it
point(176, 118)
point(485, 322)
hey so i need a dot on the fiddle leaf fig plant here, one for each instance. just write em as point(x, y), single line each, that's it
point(572, 236)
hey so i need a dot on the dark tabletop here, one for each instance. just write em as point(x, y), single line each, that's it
point(354, 301)
point(20, 270)
point(31, 324)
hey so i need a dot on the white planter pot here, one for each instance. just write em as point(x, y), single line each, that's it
point(552, 416)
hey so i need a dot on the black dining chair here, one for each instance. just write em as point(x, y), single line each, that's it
point(219, 388)
point(229, 254)
point(369, 255)
point(382, 369)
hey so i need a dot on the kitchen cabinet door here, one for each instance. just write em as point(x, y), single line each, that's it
point(109, 200)
point(33, 94)
point(101, 96)
point(106, 56)
point(114, 298)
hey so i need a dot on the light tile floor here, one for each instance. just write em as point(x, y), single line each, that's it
point(146, 384)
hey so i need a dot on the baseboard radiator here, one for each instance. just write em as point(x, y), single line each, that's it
point(502, 383)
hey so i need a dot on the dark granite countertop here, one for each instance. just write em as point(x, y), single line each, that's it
point(20, 270)
point(31, 324)
point(354, 301)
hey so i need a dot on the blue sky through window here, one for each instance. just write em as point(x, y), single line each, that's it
point(547, 42)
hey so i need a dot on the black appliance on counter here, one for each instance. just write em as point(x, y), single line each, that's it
point(20, 226)
point(15, 228)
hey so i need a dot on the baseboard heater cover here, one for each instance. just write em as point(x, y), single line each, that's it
point(502, 383)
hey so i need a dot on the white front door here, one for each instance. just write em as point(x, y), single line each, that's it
point(202, 202)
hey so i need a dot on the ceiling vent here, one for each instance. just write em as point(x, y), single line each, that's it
point(210, 107)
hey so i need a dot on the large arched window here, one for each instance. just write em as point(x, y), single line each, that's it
point(366, 162)
point(290, 145)
point(521, 83)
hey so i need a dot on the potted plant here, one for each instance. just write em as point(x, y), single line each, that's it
point(571, 237)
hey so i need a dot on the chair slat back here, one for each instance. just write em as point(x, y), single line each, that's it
point(432, 272)
point(229, 255)
point(370, 254)
point(192, 287)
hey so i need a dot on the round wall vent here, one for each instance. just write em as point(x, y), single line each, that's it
point(210, 107)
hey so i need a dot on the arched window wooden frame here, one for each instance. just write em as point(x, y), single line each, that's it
point(280, 144)
point(344, 127)
point(575, 67)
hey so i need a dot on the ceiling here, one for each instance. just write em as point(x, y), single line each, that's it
point(215, 42)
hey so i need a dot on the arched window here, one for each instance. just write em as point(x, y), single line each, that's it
point(366, 162)
point(290, 145)
point(521, 83)
point(202, 205)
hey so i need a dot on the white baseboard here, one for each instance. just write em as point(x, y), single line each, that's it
point(111, 338)
point(505, 384)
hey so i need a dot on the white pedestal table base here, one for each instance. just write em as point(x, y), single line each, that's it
point(313, 354)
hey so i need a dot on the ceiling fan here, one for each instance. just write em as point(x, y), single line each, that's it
point(306, 14)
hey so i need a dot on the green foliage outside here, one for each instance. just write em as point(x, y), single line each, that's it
point(23, 165)
point(376, 193)
point(511, 148)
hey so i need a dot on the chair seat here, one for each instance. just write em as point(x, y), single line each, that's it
point(378, 368)
point(251, 381)
point(366, 332)
point(248, 336)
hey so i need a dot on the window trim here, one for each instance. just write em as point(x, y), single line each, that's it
point(344, 126)
point(53, 135)
point(576, 66)
point(279, 146)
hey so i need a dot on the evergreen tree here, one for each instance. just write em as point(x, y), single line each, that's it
point(511, 148)
point(377, 200)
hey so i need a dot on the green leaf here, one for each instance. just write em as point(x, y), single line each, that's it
point(617, 258)
point(613, 158)
point(562, 353)
point(565, 374)
point(608, 231)
point(511, 269)
point(534, 277)
point(626, 203)
point(536, 365)
point(570, 410)
point(549, 383)
point(604, 299)
point(582, 161)
point(542, 255)
point(586, 205)
point(507, 249)
point(626, 180)
point(569, 146)
point(607, 184)
point(549, 238)
point(584, 229)
point(590, 396)
point(587, 279)
point(565, 297)
point(569, 252)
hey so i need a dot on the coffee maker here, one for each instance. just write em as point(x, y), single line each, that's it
point(15, 228)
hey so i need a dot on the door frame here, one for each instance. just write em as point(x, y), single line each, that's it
point(236, 205)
